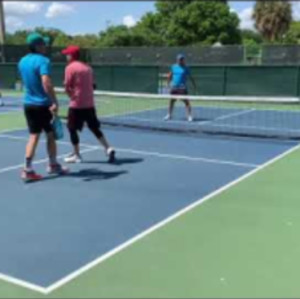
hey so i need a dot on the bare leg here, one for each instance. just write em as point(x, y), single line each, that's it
point(31, 149)
point(54, 167)
point(100, 137)
point(103, 141)
point(171, 109)
point(188, 109)
point(52, 148)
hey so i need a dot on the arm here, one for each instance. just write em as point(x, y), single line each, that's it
point(45, 71)
point(49, 90)
point(68, 83)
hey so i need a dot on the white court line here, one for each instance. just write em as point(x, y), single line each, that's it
point(23, 283)
point(159, 225)
point(153, 154)
point(12, 137)
point(226, 116)
point(12, 130)
point(212, 124)
point(188, 158)
point(256, 127)
point(10, 111)
point(15, 167)
point(140, 236)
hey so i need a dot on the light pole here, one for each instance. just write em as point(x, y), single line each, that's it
point(2, 24)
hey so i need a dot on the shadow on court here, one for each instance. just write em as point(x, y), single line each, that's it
point(87, 175)
point(94, 174)
point(118, 162)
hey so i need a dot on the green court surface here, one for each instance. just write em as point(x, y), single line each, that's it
point(242, 243)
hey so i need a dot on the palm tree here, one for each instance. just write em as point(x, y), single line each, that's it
point(272, 18)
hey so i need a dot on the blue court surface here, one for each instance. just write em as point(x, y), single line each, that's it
point(59, 225)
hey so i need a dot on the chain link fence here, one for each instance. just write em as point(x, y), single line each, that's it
point(164, 56)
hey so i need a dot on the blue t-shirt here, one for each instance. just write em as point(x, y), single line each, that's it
point(31, 68)
point(179, 76)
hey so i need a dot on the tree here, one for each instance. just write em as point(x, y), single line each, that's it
point(293, 34)
point(62, 40)
point(151, 28)
point(179, 23)
point(167, 8)
point(86, 41)
point(203, 22)
point(121, 36)
point(248, 34)
point(17, 38)
point(272, 19)
point(174, 23)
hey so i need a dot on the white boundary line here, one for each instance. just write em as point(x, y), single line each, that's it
point(211, 123)
point(7, 169)
point(12, 137)
point(230, 115)
point(10, 111)
point(159, 225)
point(255, 127)
point(188, 158)
point(22, 283)
point(144, 153)
point(12, 130)
point(140, 236)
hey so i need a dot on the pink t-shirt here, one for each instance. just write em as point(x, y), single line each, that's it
point(79, 85)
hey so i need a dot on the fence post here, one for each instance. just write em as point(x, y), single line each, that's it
point(224, 91)
point(112, 77)
point(297, 82)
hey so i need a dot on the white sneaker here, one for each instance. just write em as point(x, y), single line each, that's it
point(72, 158)
point(168, 117)
point(111, 153)
point(190, 119)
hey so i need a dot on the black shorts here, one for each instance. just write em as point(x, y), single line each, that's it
point(78, 117)
point(38, 119)
point(179, 91)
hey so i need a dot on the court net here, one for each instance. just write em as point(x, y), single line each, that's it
point(267, 117)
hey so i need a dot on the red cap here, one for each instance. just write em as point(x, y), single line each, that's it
point(71, 50)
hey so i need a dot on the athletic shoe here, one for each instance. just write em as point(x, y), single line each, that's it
point(168, 117)
point(57, 169)
point(72, 158)
point(190, 119)
point(111, 153)
point(30, 176)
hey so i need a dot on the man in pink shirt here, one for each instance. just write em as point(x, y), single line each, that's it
point(79, 85)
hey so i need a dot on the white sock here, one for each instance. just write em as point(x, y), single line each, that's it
point(109, 150)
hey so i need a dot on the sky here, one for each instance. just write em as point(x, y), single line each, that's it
point(83, 17)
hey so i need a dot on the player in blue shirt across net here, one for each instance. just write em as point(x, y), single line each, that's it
point(177, 80)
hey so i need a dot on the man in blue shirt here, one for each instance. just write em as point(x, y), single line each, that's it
point(40, 105)
point(177, 78)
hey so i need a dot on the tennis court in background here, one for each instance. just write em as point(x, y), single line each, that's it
point(206, 213)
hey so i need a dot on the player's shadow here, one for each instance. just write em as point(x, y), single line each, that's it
point(88, 175)
point(118, 162)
